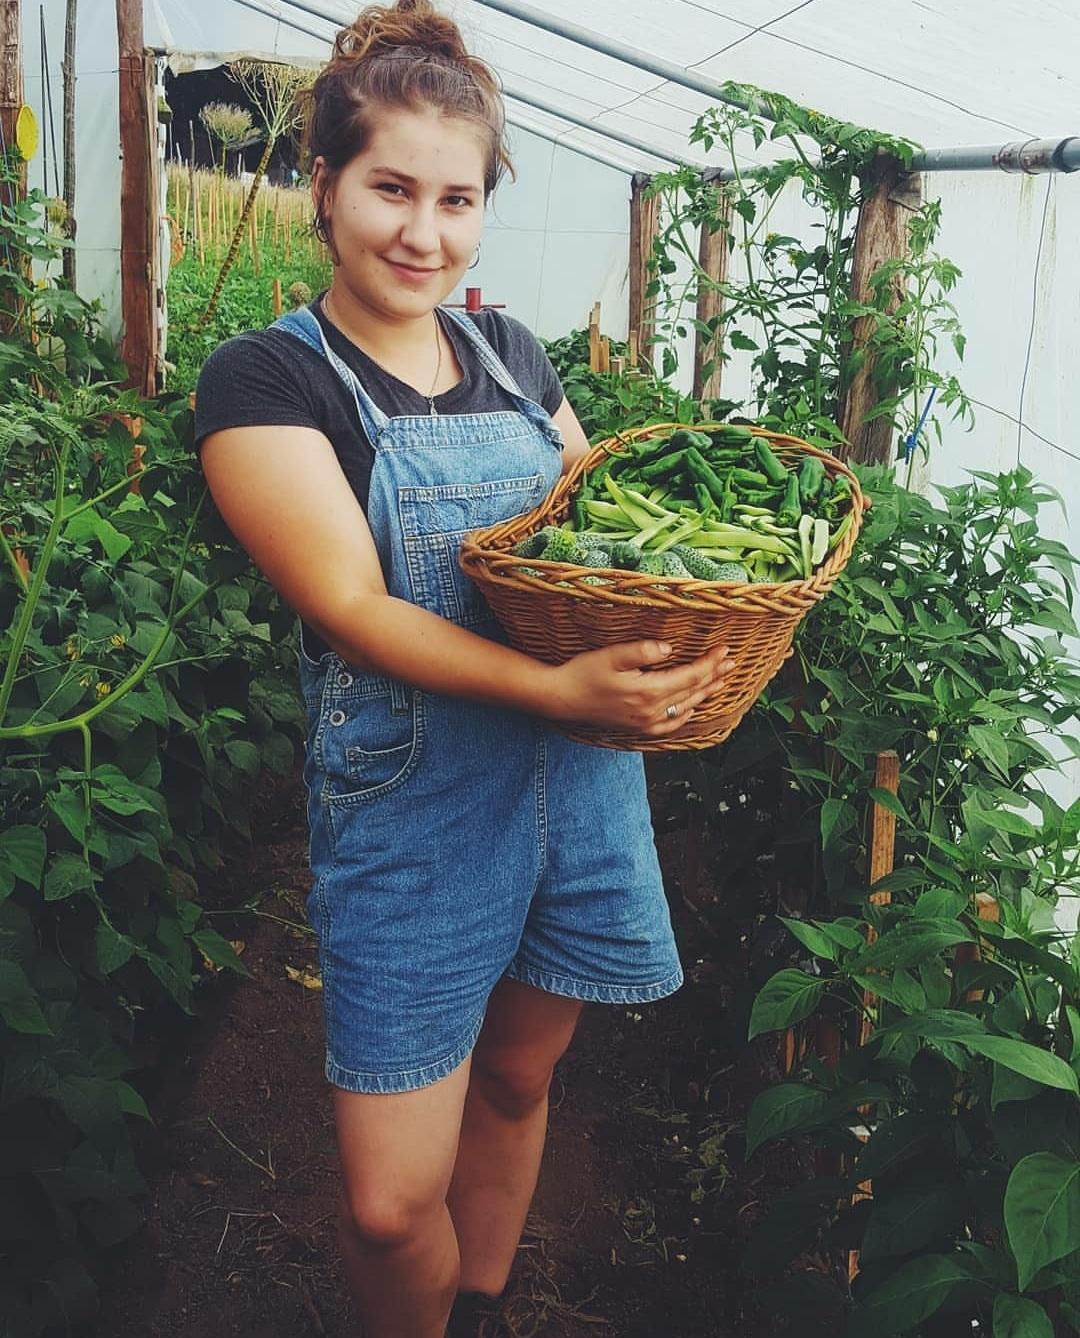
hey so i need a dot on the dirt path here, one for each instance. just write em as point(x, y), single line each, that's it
point(643, 1199)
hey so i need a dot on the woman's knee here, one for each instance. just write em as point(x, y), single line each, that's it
point(383, 1220)
point(514, 1083)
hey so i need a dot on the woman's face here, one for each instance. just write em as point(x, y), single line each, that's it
point(405, 214)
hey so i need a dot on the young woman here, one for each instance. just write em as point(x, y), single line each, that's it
point(477, 877)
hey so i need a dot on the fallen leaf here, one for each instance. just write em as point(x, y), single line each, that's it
point(311, 980)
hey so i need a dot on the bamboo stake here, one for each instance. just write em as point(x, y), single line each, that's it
point(275, 298)
point(594, 338)
point(254, 242)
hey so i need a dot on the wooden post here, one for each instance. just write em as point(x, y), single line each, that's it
point(594, 338)
point(881, 235)
point(713, 258)
point(882, 853)
point(254, 235)
point(986, 908)
point(644, 224)
point(605, 354)
point(11, 69)
point(632, 351)
point(275, 297)
point(136, 203)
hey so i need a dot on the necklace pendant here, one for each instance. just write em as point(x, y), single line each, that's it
point(431, 406)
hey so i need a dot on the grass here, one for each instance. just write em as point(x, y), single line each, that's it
point(203, 209)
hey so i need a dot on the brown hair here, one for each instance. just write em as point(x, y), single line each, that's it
point(405, 55)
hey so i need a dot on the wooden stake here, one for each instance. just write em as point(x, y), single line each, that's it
point(644, 225)
point(881, 235)
point(986, 908)
point(594, 338)
point(713, 258)
point(275, 298)
point(605, 354)
point(137, 214)
point(882, 854)
point(253, 231)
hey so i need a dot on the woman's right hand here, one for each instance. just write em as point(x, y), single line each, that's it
point(625, 687)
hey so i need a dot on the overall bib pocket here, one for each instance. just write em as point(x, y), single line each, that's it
point(434, 520)
point(370, 735)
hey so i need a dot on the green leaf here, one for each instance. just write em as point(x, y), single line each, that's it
point(67, 875)
point(901, 989)
point(913, 1293)
point(68, 804)
point(112, 949)
point(782, 1109)
point(835, 812)
point(914, 941)
point(1015, 1317)
point(786, 998)
point(244, 756)
point(19, 1006)
point(907, 1222)
point(89, 525)
point(1042, 1212)
point(1028, 1060)
point(889, 801)
point(1008, 1085)
point(219, 950)
point(1005, 820)
point(989, 744)
point(131, 1103)
point(22, 853)
point(824, 940)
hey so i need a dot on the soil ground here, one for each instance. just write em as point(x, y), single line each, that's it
point(643, 1205)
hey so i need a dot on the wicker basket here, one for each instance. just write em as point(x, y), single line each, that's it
point(556, 614)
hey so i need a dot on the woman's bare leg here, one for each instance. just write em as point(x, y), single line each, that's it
point(504, 1127)
point(397, 1241)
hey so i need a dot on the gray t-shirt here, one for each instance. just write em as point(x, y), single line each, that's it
point(268, 378)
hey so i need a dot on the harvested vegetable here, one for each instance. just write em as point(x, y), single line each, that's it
point(717, 505)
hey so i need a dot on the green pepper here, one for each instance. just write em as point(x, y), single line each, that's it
point(770, 465)
point(811, 478)
point(665, 465)
point(702, 472)
point(791, 508)
point(683, 437)
point(579, 516)
point(704, 498)
point(749, 477)
point(841, 494)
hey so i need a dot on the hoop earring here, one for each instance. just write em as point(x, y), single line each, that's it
point(476, 261)
point(318, 227)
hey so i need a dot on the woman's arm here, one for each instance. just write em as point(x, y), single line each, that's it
point(282, 493)
point(575, 442)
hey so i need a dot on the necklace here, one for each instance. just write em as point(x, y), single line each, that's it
point(430, 396)
point(438, 369)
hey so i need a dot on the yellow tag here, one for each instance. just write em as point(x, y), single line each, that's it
point(26, 132)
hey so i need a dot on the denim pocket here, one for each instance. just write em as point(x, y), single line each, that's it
point(434, 521)
point(370, 740)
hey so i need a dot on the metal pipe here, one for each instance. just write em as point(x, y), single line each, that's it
point(629, 55)
point(554, 138)
point(1031, 157)
point(606, 131)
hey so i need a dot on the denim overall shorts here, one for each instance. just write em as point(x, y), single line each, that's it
point(456, 842)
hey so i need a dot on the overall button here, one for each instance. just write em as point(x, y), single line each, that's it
point(344, 680)
point(337, 717)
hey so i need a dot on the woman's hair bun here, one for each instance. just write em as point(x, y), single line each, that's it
point(385, 30)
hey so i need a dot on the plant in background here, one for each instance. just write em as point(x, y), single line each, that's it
point(943, 641)
point(788, 302)
point(275, 91)
point(607, 402)
point(231, 126)
point(139, 697)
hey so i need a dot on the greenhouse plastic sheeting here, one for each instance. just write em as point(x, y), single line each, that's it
point(557, 238)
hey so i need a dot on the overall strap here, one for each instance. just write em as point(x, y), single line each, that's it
point(490, 360)
point(303, 325)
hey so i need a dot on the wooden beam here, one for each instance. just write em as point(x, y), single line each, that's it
point(11, 70)
point(881, 235)
point(644, 224)
point(138, 346)
point(713, 258)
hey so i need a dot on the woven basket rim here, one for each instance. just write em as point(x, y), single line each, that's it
point(491, 545)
